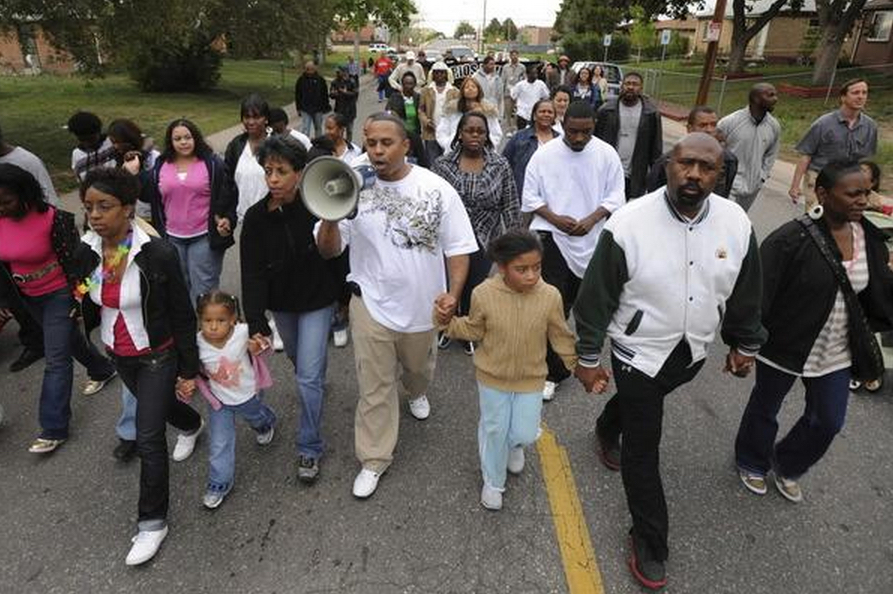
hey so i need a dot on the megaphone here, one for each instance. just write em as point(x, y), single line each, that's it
point(330, 188)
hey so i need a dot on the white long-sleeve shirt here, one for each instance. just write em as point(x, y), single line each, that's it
point(526, 94)
point(756, 146)
point(573, 184)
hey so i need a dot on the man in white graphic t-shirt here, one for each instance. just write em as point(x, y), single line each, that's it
point(405, 225)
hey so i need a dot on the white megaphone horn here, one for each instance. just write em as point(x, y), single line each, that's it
point(330, 188)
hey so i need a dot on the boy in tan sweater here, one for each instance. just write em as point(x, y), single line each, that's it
point(512, 317)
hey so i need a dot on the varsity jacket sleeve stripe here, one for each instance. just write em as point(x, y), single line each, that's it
point(742, 327)
point(599, 296)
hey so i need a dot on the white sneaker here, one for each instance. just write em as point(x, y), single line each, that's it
point(145, 544)
point(186, 443)
point(549, 391)
point(516, 460)
point(278, 345)
point(365, 483)
point(420, 407)
point(491, 498)
point(339, 337)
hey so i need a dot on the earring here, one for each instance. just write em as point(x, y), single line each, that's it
point(816, 212)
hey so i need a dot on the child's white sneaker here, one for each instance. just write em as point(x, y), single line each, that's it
point(491, 498)
point(145, 544)
point(340, 338)
point(516, 460)
point(549, 391)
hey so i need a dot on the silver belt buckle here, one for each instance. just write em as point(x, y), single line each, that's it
point(18, 278)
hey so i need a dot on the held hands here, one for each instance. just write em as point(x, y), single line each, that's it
point(444, 308)
point(737, 364)
point(223, 226)
point(132, 162)
point(594, 379)
point(185, 388)
point(258, 344)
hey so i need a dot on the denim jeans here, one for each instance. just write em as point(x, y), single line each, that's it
point(508, 420)
point(152, 378)
point(306, 339)
point(201, 266)
point(315, 120)
point(811, 435)
point(62, 340)
point(222, 446)
point(126, 427)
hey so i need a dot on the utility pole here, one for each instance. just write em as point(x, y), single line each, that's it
point(483, 26)
point(719, 15)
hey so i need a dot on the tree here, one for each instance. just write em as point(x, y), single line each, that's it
point(494, 31)
point(462, 29)
point(745, 28)
point(642, 32)
point(602, 16)
point(511, 30)
point(836, 19)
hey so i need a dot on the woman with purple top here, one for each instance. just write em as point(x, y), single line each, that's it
point(193, 205)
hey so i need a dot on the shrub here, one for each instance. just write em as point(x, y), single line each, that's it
point(194, 67)
point(588, 46)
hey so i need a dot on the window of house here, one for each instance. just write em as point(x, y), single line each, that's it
point(879, 26)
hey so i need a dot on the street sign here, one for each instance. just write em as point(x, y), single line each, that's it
point(713, 31)
point(665, 36)
point(607, 40)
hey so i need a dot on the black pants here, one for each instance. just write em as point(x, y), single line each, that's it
point(152, 378)
point(557, 273)
point(479, 266)
point(30, 331)
point(636, 411)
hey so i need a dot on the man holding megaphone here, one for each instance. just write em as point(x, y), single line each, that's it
point(404, 225)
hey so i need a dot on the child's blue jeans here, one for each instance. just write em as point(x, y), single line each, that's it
point(222, 448)
point(508, 420)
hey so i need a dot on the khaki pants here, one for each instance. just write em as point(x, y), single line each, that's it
point(807, 188)
point(378, 352)
point(508, 115)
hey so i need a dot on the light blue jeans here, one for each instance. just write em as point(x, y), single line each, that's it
point(306, 339)
point(201, 266)
point(222, 444)
point(126, 427)
point(508, 420)
point(314, 120)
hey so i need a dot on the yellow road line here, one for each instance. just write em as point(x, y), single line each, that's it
point(580, 567)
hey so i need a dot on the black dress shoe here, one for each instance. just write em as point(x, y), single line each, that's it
point(125, 450)
point(27, 357)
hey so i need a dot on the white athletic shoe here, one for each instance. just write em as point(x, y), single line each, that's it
point(549, 391)
point(365, 483)
point(339, 337)
point(491, 498)
point(516, 460)
point(186, 443)
point(145, 544)
point(420, 407)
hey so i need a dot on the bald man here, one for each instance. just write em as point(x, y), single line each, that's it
point(753, 135)
point(668, 270)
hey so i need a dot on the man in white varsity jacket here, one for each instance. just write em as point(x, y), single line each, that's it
point(668, 270)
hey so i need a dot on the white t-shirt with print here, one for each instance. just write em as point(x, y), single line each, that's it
point(229, 370)
point(398, 241)
point(250, 180)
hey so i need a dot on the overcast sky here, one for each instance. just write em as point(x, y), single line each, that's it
point(444, 15)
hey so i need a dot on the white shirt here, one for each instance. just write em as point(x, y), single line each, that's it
point(302, 138)
point(439, 102)
point(250, 180)
point(32, 164)
point(229, 370)
point(492, 87)
point(446, 130)
point(573, 184)
point(526, 95)
point(351, 154)
point(398, 241)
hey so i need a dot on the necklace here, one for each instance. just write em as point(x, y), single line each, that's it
point(106, 272)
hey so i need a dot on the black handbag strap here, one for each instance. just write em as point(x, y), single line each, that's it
point(836, 267)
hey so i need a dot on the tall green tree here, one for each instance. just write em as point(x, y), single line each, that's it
point(642, 32)
point(511, 30)
point(836, 20)
point(462, 29)
point(494, 30)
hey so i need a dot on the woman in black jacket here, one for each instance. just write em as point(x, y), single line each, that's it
point(193, 205)
point(283, 272)
point(242, 168)
point(36, 245)
point(819, 329)
point(131, 286)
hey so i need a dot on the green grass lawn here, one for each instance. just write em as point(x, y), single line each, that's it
point(35, 109)
point(679, 85)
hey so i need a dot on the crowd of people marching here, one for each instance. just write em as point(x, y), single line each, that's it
point(498, 208)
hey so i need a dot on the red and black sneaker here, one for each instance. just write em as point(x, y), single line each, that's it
point(649, 572)
point(608, 452)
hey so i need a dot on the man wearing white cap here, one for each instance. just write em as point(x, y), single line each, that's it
point(438, 93)
point(410, 65)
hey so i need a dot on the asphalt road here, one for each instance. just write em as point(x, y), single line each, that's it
point(67, 519)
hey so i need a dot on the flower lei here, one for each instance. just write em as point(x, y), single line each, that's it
point(105, 272)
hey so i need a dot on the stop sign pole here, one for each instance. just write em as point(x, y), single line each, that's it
point(713, 33)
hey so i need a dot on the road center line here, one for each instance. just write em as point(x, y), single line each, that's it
point(580, 567)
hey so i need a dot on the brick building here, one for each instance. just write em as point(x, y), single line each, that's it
point(27, 49)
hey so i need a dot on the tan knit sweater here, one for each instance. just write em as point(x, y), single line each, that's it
point(511, 330)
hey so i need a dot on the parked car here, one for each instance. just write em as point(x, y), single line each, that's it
point(381, 47)
point(612, 72)
point(433, 55)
